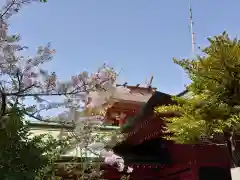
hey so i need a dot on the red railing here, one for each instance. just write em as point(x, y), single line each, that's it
point(202, 155)
point(186, 161)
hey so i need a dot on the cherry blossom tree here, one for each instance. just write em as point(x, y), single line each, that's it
point(90, 141)
point(24, 77)
point(89, 138)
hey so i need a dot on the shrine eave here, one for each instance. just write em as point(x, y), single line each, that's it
point(132, 97)
point(138, 87)
point(157, 99)
point(44, 125)
point(132, 101)
point(183, 93)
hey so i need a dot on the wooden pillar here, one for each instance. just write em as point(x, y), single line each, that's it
point(195, 167)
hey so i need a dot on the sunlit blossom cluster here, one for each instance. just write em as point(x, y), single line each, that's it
point(110, 158)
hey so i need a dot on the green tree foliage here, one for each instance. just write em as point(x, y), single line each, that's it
point(22, 157)
point(213, 106)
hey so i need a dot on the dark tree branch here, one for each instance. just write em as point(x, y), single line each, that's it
point(3, 105)
point(7, 9)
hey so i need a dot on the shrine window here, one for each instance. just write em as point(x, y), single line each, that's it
point(118, 119)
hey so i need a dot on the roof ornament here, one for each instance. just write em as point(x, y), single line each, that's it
point(149, 84)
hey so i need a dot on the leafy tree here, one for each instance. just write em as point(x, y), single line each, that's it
point(22, 157)
point(211, 111)
point(23, 78)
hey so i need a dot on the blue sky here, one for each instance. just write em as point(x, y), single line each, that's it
point(138, 36)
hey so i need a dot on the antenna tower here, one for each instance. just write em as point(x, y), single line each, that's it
point(191, 28)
